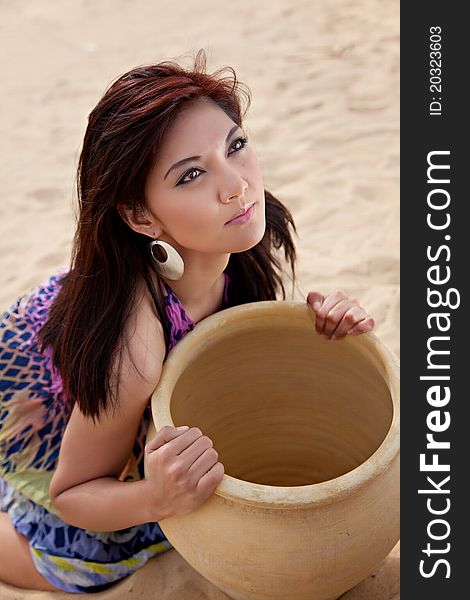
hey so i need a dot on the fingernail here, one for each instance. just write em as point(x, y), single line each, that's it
point(182, 428)
point(316, 305)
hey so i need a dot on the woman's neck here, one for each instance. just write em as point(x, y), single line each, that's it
point(200, 289)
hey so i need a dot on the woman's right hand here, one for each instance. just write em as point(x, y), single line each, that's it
point(182, 470)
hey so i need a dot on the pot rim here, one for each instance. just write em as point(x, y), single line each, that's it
point(279, 497)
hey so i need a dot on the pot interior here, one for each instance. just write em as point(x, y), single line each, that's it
point(283, 406)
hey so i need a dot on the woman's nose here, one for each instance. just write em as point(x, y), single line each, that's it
point(236, 188)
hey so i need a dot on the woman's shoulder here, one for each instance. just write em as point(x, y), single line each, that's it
point(143, 347)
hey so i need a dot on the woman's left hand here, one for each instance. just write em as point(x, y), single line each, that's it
point(338, 315)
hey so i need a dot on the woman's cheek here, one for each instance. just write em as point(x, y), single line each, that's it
point(193, 224)
point(256, 176)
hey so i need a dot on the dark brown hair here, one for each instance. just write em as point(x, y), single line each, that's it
point(124, 132)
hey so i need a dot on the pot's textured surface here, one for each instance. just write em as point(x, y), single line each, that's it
point(308, 432)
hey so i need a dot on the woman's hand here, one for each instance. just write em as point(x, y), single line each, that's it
point(338, 315)
point(183, 470)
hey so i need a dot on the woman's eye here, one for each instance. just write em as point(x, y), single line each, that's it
point(238, 144)
point(183, 179)
point(243, 141)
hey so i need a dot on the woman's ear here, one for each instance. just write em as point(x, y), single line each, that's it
point(139, 220)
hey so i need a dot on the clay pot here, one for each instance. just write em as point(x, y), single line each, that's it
point(308, 432)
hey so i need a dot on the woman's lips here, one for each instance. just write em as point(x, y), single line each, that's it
point(244, 217)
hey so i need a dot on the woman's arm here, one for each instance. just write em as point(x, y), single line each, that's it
point(85, 488)
point(182, 465)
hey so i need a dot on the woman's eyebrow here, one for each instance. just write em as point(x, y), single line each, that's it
point(190, 158)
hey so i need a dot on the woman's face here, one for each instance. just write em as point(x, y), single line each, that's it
point(192, 202)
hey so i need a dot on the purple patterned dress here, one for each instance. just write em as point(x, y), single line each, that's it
point(34, 412)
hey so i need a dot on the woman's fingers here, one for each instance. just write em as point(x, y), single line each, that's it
point(203, 463)
point(332, 311)
point(363, 326)
point(163, 436)
point(179, 444)
point(322, 313)
point(183, 450)
point(208, 482)
point(352, 317)
point(187, 458)
point(338, 315)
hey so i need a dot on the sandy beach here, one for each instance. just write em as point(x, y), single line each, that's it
point(324, 119)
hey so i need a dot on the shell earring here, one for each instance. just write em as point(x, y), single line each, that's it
point(173, 267)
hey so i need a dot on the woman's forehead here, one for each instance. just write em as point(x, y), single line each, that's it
point(200, 126)
point(203, 116)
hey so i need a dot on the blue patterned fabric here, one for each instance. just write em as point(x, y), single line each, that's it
point(76, 560)
point(179, 321)
point(34, 412)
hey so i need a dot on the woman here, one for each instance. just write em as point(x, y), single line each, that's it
point(174, 225)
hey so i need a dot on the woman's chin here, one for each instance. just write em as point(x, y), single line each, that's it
point(250, 238)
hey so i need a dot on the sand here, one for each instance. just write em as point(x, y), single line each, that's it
point(324, 120)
